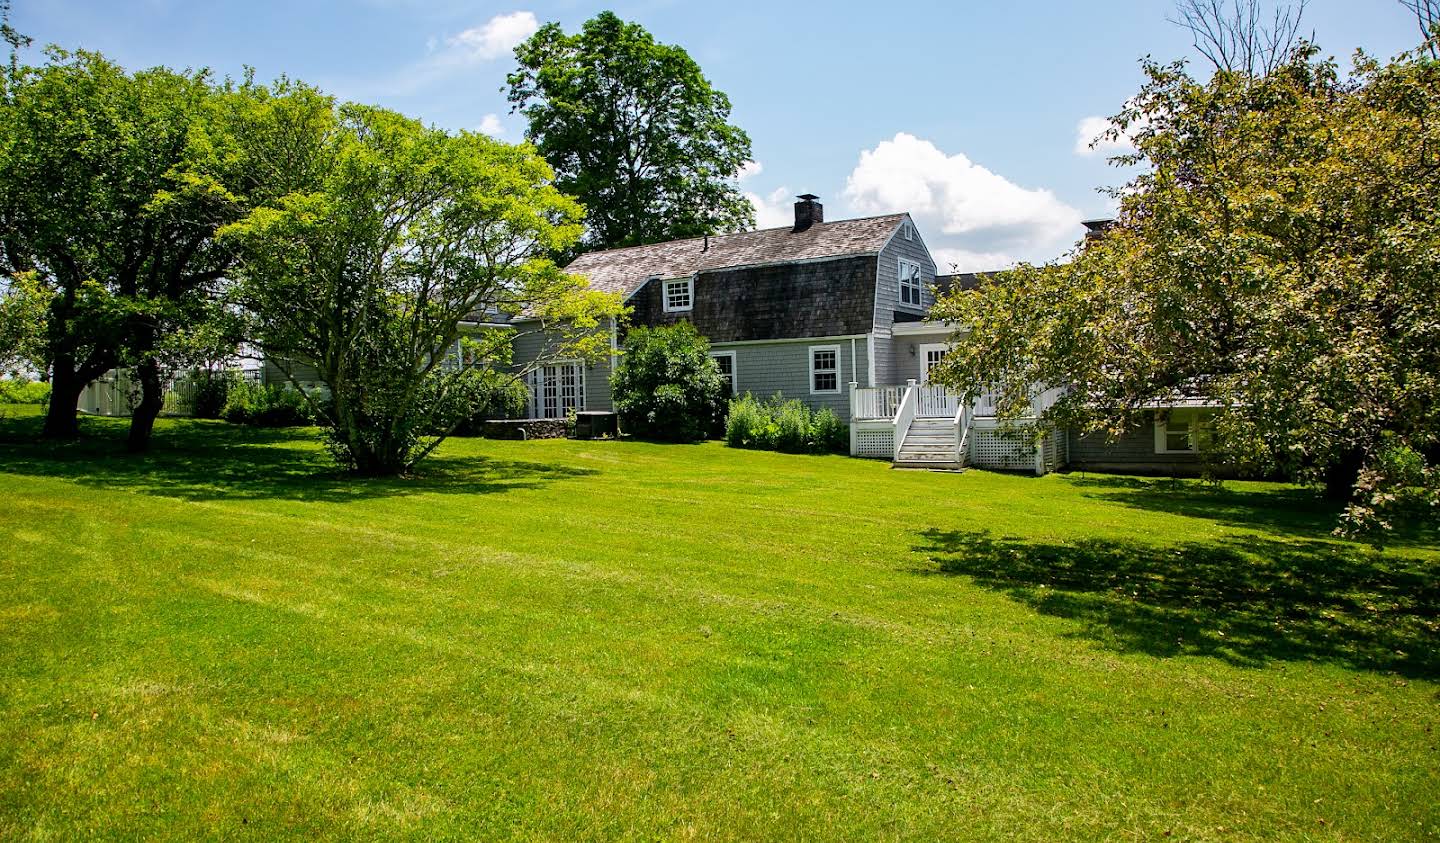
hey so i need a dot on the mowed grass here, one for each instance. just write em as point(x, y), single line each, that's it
point(562, 640)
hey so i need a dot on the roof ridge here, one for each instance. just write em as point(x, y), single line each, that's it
point(714, 237)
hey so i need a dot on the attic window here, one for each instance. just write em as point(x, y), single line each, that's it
point(910, 283)
point(907, 231)
point(679, 295)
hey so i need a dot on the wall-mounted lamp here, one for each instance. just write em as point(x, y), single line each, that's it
point(912, 349)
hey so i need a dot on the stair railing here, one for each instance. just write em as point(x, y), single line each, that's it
point(904, 415)
point(961, 423)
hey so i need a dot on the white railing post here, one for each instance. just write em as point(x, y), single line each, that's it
point(904, 414)
point(1040, 458)
point(961, 425)
point(854, 437)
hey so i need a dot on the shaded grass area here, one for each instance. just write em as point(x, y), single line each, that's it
point(576, 640)
point(1246, 600)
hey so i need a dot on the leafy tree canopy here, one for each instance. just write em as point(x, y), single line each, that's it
point(1279, 253)
point(112, 185)
point(399, 234)
point(634, 130)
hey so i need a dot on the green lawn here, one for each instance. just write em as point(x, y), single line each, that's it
point(567, 640)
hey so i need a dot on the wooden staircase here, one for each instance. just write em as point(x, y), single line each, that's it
point(930, 443)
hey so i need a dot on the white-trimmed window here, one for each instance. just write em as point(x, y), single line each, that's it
point(1180, 431)
point(679, 295)
point(911, 283)
point(907, 231)
point(557, 390)
point(726, 361)
point(824, 369)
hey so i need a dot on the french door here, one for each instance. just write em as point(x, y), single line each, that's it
point(557, 390)
point(930, 354)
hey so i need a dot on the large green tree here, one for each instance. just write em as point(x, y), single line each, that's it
point(1279, 253)
point(112, 186)
point(367, 272)
point(634, 130)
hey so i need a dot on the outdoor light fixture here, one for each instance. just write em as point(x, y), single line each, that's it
point(912, 349)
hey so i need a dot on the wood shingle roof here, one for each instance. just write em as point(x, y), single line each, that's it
point(626, 270)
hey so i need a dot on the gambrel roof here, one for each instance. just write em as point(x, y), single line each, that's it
point(626, 270)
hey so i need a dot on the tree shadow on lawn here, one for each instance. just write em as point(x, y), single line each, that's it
point(1245, 600)
point(201, 461)
point(1293, 510)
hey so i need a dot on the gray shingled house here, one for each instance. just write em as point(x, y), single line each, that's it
point(803, 310)
point(835, 314)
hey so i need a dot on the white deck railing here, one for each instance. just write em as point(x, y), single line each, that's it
point(936, 402)
point(878, 402)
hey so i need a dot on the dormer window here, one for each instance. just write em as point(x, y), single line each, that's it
point(911, 284)
point(679, 295)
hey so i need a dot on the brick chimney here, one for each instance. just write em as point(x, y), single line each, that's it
point(1096, 229)
point(808, 212)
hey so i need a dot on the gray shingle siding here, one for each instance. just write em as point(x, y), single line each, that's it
point(1134, 450)
point(271, 373)
point(831, 297)
point(903, 366)
point(892, 367)
point(887, 286)
point(530, 344)
point(762, 369)
point(884, 345)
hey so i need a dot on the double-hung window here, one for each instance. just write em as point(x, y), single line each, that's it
point(726, 361)
point(824, 369)
point(679, 295)
point(911, 285)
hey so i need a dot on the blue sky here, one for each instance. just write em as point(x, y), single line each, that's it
point(966, 114)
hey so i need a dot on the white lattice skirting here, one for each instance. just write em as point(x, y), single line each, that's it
point(993, 449)
point(875, 444)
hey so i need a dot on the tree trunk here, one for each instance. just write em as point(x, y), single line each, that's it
point(61, 419)
point(152, 399)
point(1340, 476)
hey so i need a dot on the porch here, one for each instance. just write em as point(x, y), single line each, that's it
point(930, 426)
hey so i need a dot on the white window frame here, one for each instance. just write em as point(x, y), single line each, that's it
point(813, 371)
point(537, 400)
point(1162, 431)
point(734, 371)
point(689, 294)
point(907, 231)
point(901, 286)
point(923, 351)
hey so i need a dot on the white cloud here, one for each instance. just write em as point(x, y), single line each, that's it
point(495, 38)
point(774, 209)
point(490, 125)
point(463, 51)
point(969, 215)
point(1088, 142)
point(749, 169)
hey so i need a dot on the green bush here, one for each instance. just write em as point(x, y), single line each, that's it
point(23, 391)
point(493, 395)
point(667, 386)
point(212, 392)
point(788, 426)
point(266, 406)
point(203, 394)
